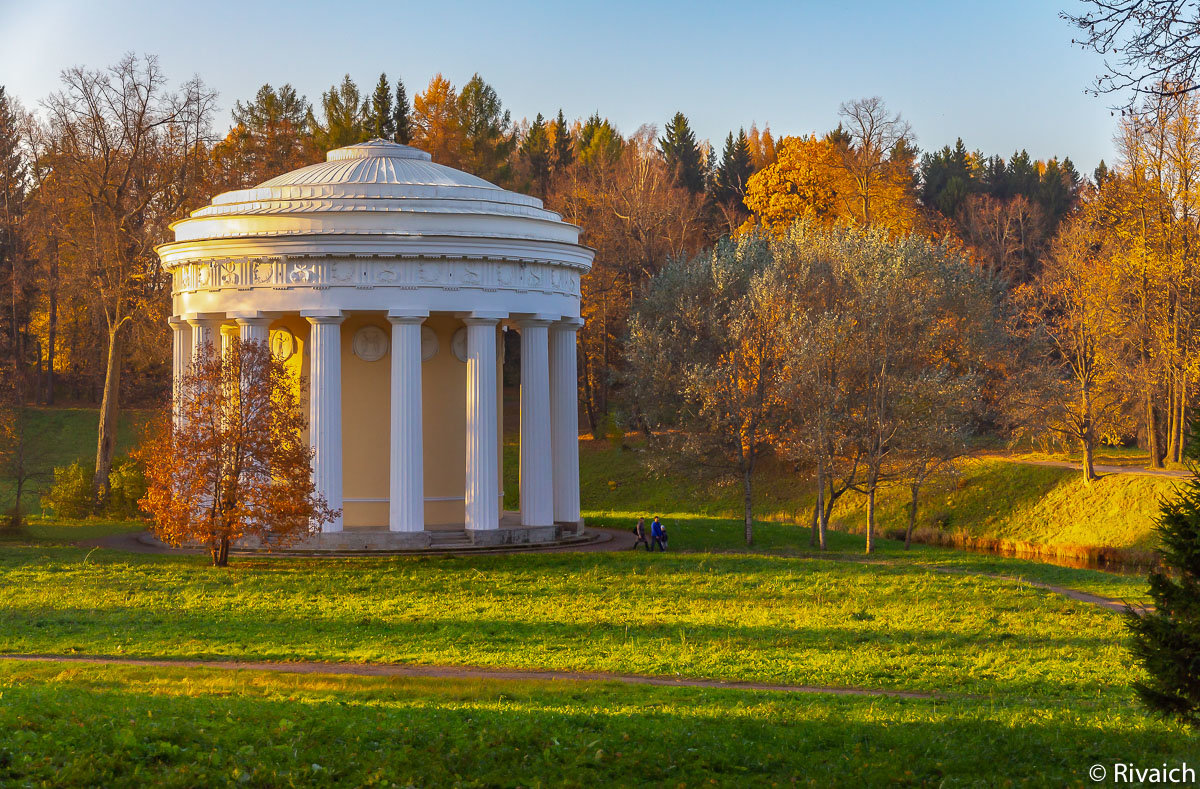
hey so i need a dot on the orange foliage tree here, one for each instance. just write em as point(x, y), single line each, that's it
point(234, 464)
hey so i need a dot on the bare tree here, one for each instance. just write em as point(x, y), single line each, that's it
point(132, 153)
point(874, 134)
point(1150, 46)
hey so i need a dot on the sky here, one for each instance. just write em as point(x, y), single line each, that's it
point(1001, 75)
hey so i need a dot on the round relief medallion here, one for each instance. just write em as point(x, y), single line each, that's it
point(370, 343)
point(458, 344)
point(429, 343)
point(283, 344)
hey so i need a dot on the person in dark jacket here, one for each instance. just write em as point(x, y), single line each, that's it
point(658, 533)
point(640, 532)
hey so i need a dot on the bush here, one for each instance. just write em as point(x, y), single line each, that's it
point(127, 486)
point(71, 494)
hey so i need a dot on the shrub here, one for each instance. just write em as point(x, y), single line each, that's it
point(127, 486)
point(71, 494)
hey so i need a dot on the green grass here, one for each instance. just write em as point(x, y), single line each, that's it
point(121, 726)
point(747, 617)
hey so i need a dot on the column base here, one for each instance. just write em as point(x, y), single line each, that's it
point(518, 535)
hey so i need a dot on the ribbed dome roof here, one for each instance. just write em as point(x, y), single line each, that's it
point(371, 177)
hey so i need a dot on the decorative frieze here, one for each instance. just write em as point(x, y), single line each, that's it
point(301, 272)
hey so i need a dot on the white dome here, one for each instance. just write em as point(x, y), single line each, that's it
point(376, 187)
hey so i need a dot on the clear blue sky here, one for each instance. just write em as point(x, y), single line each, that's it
point(1002, 75)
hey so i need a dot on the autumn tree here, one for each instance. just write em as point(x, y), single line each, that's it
point(436, 122)
point(806, 181)
point(16, 282)
point(879, 163)
point(704, 361)
point(132, 154)
point(234, 464)
point(1067, 388)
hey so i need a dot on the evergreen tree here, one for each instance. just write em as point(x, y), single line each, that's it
point(14, 278)
point(486, 128)
point(535, 153)
point(1166, 638)
point(995, 178)
point(1100, 174)
point(839, 136)
point(683, 156)
point(599, 141)
point(947, 178)
point(562, 151)
point(402, 129)
point(270, 136)
point(343, 120)
point(734, 169)
point(1022, 176)
point(381, 120)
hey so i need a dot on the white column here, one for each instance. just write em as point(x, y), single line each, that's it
point(204, 332)
point(483, 444)
point(325, 408)
point(537, 486)
point(227, 334)
point(564, 419)
point(179, 364)
point(253, 328)
point(406, 489)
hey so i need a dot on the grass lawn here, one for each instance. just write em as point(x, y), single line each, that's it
point(124, 726)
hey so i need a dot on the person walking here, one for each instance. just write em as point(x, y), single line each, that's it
point(640, 532)
point(658, 533)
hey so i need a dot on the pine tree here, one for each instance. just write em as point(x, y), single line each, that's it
point(400, 115)
point(343, 120)
point(682, 154)
point(733, 171)
point(562, 151)
point(1100, 174)
point(1166, 638)
point(14, 279)
point(535, 153)
point(381, 120)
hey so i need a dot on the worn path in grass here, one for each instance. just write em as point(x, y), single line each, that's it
point(469, 672)
point(1100, 468)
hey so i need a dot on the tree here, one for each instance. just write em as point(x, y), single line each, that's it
point(1068, 390)
point(679, 150)
point(344, 117)
point(1166, 637)
point(1151, 47)
point(805, 181)
point(728, 190)
point(401, 122)
point(535, 154)
point(704, 357)
point(382, 119)
point(878, 161)
point(436, 124)
point(270, 137)
point(235, 464)
point(562, 147)
point(14, 259)
point(131, 154)
point(487, 137)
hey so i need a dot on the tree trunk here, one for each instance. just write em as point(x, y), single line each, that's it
point(822, 521)
point(109, 407)
point(747, 502)
point(1156, 458)
point(871, 518)
point(912, 514)
point(1089, 467)
point(220, 553)
point(51, 327)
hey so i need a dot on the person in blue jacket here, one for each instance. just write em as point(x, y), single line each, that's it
point(658, 533)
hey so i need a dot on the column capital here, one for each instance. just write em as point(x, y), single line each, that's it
point(407, 316)
point(176, 322)
point(569, 324)
point(483, 318)
point(323, 316)
point(527, 320)
point(203, 318)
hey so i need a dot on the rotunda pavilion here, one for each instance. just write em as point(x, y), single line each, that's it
point(386, 282)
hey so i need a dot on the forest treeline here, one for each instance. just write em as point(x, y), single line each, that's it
point(92, 175)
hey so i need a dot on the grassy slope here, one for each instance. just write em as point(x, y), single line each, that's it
point(994, 498)
point(134, 727)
